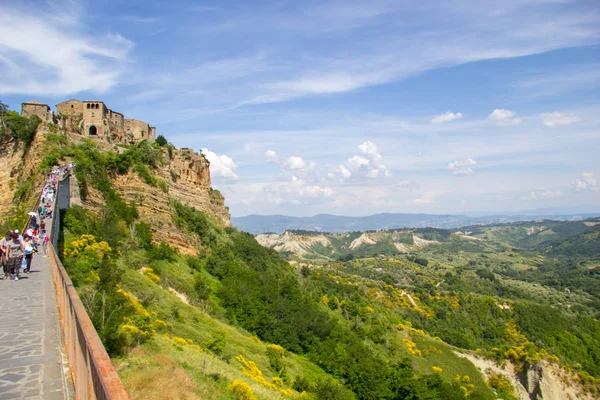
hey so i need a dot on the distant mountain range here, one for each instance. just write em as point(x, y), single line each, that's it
point(256, 224)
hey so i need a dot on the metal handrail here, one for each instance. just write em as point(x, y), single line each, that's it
point(94, 375)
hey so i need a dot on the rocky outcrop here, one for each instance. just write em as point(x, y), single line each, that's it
point(363, 239)
point(543, 381)
point(18, 165)
point(289, 242)
point(187, 176)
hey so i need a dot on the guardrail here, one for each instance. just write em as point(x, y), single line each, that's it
point(94, 375)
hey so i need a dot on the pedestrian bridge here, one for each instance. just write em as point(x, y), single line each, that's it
point(49, 348)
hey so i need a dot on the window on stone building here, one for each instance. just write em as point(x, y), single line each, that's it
point(88, 106)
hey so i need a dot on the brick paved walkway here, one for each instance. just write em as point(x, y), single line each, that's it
point(31, 364)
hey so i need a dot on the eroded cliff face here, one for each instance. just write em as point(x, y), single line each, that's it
point(187, 175)
point(17, 166)
point(543, 381)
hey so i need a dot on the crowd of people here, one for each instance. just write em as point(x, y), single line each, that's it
point(16, 249)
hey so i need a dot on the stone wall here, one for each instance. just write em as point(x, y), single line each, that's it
point(137, 130)
point(70, 108)
point(35, 108)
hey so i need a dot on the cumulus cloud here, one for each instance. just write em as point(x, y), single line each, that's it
point(552, 194)
point(587, 181)
point(590, 178)
point(557, 119)
point(271, 156)
point(346, 174)
point(369, 150)
point(502, 117)
point(530, 196)
point(221, 166)
point(294, 162)
point(462, 167)
point(294, 191)
point(367, 164)
point(446, 117)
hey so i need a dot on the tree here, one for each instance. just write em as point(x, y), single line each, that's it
point(161, 140)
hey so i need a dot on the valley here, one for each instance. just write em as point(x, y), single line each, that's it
point(521, 297)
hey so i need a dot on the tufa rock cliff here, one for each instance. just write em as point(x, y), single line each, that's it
point(186, 174)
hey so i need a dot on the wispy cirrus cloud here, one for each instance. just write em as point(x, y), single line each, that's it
point(57, 56)
point(344, 46)
point(558, 119)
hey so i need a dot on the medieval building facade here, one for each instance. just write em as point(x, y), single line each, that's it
point(93, 119)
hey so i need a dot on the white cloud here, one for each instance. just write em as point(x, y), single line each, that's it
point(587, 181)
point(294, 162)
point(590, 178)
point(345, 172)
point(295, 191)
point(462, 167)
point(365, 165)
point(357, 162)
point(580, 185)
point(370, 151)
point(221, 166)
point(271, 156)
point(57, 55)
point(553, 194)
point(556, 119)
point(446, 117)
point(530, 196)
point(504, 117)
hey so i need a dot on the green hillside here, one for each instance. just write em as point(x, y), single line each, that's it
point(373, 315)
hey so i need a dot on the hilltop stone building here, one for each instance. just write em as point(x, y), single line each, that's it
point(36, 108)
point(93, 119)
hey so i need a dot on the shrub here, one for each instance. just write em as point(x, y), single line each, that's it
point(161, 140)
point(242, 390)
point(162, 185)
point(275, 354)
point(216, 344)
point(162, 252)
point(302, 384)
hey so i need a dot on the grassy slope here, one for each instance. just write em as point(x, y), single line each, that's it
point(143, 364)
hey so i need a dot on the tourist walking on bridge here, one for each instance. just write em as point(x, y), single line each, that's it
point(3, 245)
point(14, 256)
point(28, 250)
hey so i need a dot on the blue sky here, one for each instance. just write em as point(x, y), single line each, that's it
point(345, 107)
